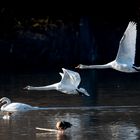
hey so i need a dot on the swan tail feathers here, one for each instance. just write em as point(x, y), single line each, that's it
point(82, 91)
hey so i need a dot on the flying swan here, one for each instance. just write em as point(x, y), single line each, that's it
point(125, 58)
point(68, 84)
point(12, 107)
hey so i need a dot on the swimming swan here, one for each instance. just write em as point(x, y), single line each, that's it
point(11, 107)
point(68, 84)
point(126, 54)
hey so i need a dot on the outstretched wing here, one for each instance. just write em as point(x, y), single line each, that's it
point(127, 46)
point(65, 79)
point(70, 77)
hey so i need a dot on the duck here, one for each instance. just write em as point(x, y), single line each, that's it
point(124, 61)
point(63, 125)
point(8, 106)
point(68, 84)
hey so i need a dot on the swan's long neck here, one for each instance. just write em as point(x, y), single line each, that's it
point(49, 87)
point(105, 66)
point(7, 103)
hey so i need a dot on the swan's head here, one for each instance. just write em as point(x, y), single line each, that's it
point(27, 87)
point(80, 66)
point(4, 99)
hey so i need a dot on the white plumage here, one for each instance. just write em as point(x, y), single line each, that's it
point(11, 107)
point(125, 58)
point(68, 84)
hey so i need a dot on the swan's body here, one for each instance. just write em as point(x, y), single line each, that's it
point(68, 84)
point(125, 58)
point(11, 107)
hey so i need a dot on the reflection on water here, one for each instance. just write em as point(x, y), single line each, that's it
point(111, 112)
point(87, 123)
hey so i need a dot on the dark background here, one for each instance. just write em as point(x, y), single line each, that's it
point(33, 39)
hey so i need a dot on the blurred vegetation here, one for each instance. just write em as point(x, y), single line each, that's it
point(30, 38)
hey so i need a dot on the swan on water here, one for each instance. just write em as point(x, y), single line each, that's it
point(125, 58)
point(68, 84)
point(11, 107)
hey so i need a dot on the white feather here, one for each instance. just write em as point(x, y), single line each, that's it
point(69, 83)
point(126, 53)
point(11, 107)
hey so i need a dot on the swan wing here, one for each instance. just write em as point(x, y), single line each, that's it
point(127, 45)
point(71, 77)
point(62, 75)
point(65, 79)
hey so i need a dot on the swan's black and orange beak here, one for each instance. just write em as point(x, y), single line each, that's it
point(77, 66)
point(2, 103)
point(26, 88)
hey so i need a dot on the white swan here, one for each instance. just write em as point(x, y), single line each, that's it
point(68, 84)
point(11, 107)
point(125, 58)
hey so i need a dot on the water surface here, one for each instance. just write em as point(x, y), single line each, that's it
point(111, 112)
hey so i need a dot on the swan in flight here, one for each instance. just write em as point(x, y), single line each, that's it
point(68, 84)
point(11, 107)
point(125, 58)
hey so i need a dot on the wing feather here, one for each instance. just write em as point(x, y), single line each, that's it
point(70, 77)
point(127, 46)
